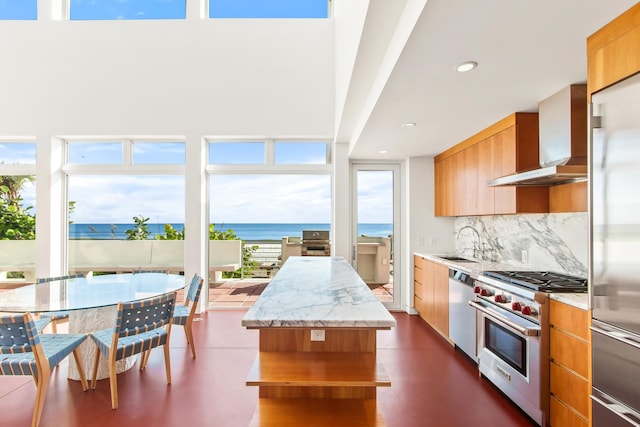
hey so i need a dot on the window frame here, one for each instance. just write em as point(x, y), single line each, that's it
point(127, 166)
point(269, 165)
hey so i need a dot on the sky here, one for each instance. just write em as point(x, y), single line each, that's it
point(172, 9)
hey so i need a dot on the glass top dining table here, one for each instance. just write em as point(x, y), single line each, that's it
point(88, 292)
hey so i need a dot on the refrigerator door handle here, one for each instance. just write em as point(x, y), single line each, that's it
point(617, 409)
point(618, 336)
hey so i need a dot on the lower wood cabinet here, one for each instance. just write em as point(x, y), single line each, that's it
point(431, 293)
point(570, 361)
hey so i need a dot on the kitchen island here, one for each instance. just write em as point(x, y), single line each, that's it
point(317, 362)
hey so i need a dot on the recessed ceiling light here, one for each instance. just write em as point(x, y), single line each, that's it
point(383, 151)
point(466, 66)
point(408, 125)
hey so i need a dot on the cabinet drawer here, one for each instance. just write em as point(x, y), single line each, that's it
point(571, 389)
point(418, 304)
point(417, 262)
point(562, 416)
point(570, 352)
point(570, 319)
point(418, 289)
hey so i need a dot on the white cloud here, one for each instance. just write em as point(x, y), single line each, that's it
point(271, 198)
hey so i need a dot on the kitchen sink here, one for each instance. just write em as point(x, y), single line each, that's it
point(456, 258)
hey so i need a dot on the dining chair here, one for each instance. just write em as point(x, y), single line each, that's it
point(184, 314)
point(56, 317)
point(140, 326)
point(23, 351)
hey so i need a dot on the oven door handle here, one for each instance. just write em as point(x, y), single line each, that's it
point(522, 330)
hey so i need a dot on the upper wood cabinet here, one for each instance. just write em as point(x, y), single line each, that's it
point(612, 53)
point(462, 172)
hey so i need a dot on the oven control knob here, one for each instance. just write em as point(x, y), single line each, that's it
point(500, 298)
point(477, 289)
point(516, 306)
point(527, 310)
point(486, 292)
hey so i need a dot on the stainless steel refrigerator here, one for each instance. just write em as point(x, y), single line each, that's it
point(615, 254)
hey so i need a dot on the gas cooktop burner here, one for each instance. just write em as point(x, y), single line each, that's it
point(541, 281)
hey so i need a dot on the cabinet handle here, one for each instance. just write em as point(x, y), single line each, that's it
point(618, 336)
point(617, 409)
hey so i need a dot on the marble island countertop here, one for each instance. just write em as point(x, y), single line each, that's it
point(317, 292)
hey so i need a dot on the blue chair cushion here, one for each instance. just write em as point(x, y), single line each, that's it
point(18, 364)
point(180, 315)
point(58, 346)
point(129, 345)
point(55, 346)
point(42, 323)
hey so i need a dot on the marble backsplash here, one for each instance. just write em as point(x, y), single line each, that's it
point(552, 242)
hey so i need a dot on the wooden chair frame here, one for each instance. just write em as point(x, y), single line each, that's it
point(144, 320)
point(43, 366)
point(191, 303)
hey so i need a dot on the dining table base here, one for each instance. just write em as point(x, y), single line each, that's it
point(90, 320)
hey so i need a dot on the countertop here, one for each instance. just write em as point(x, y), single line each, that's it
point(580, 301)
point(475, 268)
point(322, 292)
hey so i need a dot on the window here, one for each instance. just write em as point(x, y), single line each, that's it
point(299, 153)
point(308, 155)
point(236, 153)
point(154, 153)
point(17, 153)
point(126, 152)
point(95, 153)
point(17, 210)
point(127, 10)
point(19, 10)
point(126, 205)
point(268, 8)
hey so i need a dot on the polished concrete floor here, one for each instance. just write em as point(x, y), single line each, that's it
point(432, 384)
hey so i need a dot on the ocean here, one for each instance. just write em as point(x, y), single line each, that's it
point(244, 231)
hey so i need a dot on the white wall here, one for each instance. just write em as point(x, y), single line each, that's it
point(426, 233)
point(222, 77)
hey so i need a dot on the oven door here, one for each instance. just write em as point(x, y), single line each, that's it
point(509, 355)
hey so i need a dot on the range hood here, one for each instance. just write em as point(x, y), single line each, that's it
point(563, 142)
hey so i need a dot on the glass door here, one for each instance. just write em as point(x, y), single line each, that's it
point(375, 229)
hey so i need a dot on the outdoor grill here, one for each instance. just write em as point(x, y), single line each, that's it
point(315, 243)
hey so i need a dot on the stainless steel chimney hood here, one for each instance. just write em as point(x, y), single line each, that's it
point(563, 142)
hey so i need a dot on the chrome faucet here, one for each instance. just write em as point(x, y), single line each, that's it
point(476, 243)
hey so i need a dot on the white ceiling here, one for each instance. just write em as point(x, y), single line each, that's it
point(526, 50)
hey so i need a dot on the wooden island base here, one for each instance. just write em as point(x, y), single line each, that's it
point(317, 413)
point(317, 383)
point(317, 363)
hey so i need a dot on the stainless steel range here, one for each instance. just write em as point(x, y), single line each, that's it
point(315, 243)
point(512, 333)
